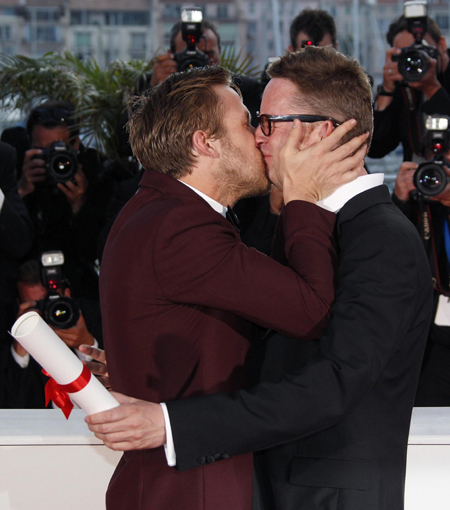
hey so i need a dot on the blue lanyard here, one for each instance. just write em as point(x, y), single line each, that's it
point(445, 227)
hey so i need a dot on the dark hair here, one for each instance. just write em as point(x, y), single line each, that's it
point(177, 28)
point(29, 272)
point(165, 118)
point(329, 84)
point(316, 23)
point(52, 114)
point(401, 24)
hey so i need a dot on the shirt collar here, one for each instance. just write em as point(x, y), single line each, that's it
point(213, 203)
point(336, 201)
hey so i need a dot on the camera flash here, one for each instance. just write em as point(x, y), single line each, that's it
point(436, 123)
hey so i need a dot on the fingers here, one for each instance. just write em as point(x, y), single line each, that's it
point(334, 138)
point(94, 352)
point(122, 399)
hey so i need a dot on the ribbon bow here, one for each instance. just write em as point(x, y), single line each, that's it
point(58, 393)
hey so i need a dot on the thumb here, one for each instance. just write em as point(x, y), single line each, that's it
point(122, 399)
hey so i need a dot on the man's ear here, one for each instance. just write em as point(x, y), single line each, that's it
point(291, 49)
point(326, 129)
point(204, 145)
point(335, 45)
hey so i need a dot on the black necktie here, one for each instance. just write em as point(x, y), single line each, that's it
point(233, 219)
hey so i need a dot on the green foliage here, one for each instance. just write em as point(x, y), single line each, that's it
point(99, 95)
point(238, 63)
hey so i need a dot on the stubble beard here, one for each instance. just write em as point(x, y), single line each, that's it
point(244, 175)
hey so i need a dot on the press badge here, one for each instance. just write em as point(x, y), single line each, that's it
point(443, 311)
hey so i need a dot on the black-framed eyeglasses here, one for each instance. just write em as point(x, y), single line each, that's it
point(265, 121)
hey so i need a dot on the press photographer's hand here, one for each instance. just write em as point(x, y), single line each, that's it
point(165, 65)
point(404, 183)
point(33, 172)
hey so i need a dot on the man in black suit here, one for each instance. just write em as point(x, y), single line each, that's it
point(336, 412)
point(16, 233)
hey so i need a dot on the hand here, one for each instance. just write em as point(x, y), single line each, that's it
point(315, 172)
point(391, 73)
point(76, 335)
point(33, 171)
point(76, 193)
point(164, 66)
point(444, 197)
point(429, 84)
point(98, 367)
point(134, 425)
point(276, 200)
point(404, 183)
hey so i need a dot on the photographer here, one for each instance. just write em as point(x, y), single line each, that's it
point(401, 105)
point(60, 186)
point(16, 234)
point(23, 382)
point(422, 193)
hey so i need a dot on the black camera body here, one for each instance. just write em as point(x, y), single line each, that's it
point(61, 162)
point(413, 61)
point(61, 312)
point(430, 178)
point(191, 31)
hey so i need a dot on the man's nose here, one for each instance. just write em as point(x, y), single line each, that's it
point(260, 137)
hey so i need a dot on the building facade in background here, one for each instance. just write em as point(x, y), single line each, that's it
point(124, 29)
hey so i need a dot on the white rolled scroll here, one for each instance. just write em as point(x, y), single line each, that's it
point(34, 334)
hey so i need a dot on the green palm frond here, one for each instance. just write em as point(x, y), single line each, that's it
point(238, 63)
point(98, 94)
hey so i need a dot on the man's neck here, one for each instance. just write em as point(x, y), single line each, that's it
point(210, 187)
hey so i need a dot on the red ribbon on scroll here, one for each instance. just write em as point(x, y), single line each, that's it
point(58, 393)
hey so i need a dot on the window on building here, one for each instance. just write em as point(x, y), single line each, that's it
point(137, 46)
point(222, 11)
point(442, 21)
point(83, 40)
point(172, 11)
point(5, 33)
point(137, 18)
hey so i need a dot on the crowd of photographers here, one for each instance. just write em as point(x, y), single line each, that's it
point(58, 199)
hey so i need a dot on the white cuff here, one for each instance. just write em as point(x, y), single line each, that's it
point(85, 357)
point(169, 447)
point(22, 361)
point(2, 199)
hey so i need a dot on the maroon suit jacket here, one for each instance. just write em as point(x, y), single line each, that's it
point(179, 294)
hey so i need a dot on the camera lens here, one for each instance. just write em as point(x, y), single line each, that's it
point(62, 313)
point(414, 65)
point(430, 179)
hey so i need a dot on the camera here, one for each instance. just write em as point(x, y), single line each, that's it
point(61, 162)
point(413, 61)
point(191, 31)
point(61, 312)
point(430, 178)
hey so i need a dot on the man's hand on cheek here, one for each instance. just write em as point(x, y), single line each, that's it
point(317, 171)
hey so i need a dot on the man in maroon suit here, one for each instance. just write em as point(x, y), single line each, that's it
point(180, 292)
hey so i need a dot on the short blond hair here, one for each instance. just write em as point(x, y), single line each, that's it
point(165, 118)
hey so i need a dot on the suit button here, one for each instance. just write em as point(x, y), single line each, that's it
point(201, 460)
point(225, 456)
point(210, 459)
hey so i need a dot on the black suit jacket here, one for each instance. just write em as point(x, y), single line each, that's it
point(349, 407)
point(15, 231)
